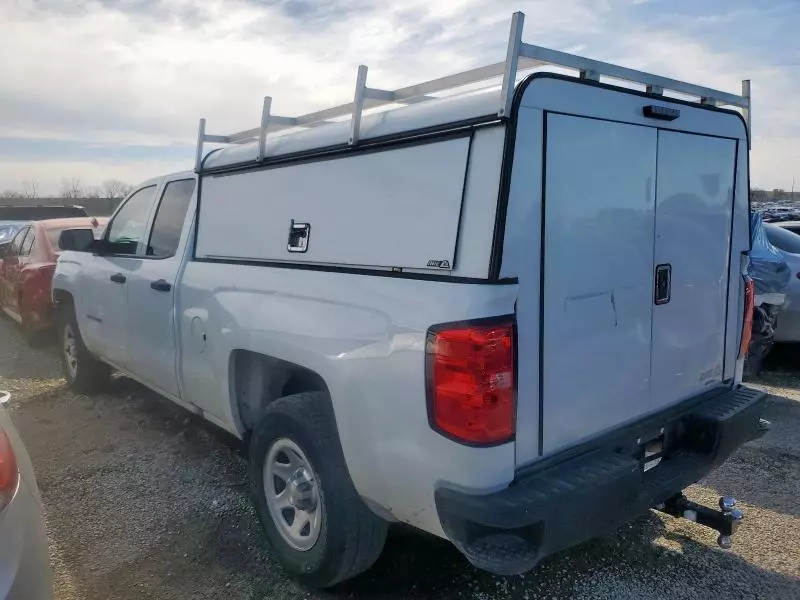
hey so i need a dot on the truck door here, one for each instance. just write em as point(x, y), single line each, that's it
point(600, 180)
point(105, 278)
point(151, 291)
point(637, 231)
point(694, 208)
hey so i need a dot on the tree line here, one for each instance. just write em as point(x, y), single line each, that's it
point(72, 188)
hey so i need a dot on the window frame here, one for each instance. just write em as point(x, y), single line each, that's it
point(22, 234)
point(32, 237)
point(142, 243)
point(154, 217)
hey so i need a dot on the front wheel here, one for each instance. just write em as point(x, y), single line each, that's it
point(83, 372)
point(318, 527)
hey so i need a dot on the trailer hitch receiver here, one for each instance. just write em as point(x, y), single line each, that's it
point(726, 520)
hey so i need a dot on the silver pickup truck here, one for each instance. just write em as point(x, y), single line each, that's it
point(513, 318)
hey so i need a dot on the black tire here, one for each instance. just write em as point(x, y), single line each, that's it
point(89, 375)
point(351, 537)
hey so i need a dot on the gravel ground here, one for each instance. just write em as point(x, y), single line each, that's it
point(145, 501)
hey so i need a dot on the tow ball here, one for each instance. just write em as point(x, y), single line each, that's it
point(726, 520)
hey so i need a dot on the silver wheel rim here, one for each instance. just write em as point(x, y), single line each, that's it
point(293, 494)
point(70, 351)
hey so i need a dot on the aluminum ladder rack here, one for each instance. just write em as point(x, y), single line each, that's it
point(519, 57)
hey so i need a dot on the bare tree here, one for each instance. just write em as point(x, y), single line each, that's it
point(30, 189)
point(92, 192)
point(10, 194)
point(114, 188)
point(72, 188)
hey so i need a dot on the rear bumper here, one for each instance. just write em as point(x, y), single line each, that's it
point(570, 498)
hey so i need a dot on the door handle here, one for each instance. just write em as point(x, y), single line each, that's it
point(161, 285)
point(118, 278)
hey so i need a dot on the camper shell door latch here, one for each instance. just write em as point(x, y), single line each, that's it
point(299, 234)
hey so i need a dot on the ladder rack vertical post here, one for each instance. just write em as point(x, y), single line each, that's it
point(201, 136)
point(512, 62)
point(262, 133)
point(358, 105)
point(748, 112)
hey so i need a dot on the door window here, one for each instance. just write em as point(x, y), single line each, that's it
point(16, 243)
point(171, 214)
point(129, 225)
point(28, 243)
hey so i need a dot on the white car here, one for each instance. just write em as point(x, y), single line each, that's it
point(513, 319)
point(782, 236)
point(25, 572)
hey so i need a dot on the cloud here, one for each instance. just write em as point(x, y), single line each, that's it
point(776, 131)
point(142, 72)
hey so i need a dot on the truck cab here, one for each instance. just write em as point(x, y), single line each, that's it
point(125, 287)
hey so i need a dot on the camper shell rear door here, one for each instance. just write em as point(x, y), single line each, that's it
point(626, 232)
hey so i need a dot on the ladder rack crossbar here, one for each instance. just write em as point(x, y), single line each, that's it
point(555, 57)
point(520, 56)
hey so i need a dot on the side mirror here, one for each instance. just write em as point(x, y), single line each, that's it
point(78, 240)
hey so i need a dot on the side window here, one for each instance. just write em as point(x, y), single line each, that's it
point(16, 243)
point(28, 243)
point(169, 219)
point(128, 227)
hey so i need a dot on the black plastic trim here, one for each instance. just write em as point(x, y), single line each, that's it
point(374, 272)
point(509, 319)
point(730, 260)
point(542, 247)
point(661, 113)
point(455, 260)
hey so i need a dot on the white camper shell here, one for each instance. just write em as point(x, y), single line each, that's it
point(517, 310)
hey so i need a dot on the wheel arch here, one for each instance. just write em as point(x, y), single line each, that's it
point(256, 380)
point(62, 298)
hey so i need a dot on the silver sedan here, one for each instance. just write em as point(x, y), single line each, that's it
point(25, 572)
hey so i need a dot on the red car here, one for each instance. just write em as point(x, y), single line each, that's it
point(26, 271)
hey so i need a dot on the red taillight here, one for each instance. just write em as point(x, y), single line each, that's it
point(747, 322)
point(9, 474)
point(470, 371)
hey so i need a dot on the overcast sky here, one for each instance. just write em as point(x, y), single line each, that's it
point(100, 89)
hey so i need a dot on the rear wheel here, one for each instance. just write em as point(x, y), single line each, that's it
point(318, 527)
point(84, 373)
